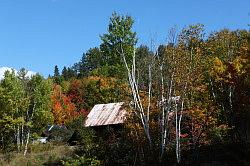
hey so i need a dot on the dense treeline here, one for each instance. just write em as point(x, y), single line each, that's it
point(25, 109)
point(187, 95)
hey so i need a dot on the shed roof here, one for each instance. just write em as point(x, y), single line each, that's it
point(106, 114)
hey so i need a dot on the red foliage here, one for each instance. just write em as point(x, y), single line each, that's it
point(62, 107)
point(76, 94)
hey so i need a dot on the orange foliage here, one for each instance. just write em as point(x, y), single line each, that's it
point(62, 107)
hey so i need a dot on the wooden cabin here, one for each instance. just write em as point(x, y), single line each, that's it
point(107, 119)
point(106, 114)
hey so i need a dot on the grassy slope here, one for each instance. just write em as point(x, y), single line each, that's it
point(40, 154)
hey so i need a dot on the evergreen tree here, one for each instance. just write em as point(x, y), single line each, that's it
point(57, 78)
point(65, 75)
point(56, 71)
point(71, 73)
point(161, 50)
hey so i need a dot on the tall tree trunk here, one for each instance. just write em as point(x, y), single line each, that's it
point(136, 96)
point(177, 133)
point(18, 138)
point(26, 144)
point(28, 128)
point(163, 126)
point(166, 106)
point(22, 135)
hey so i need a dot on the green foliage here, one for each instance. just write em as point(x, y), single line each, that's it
point(13, 106)
point(213, 72)
point(229, 85)
point(81, 135)
point(85, 139)
point(120, 38)
point(99, 90)
point(68, 73)
point(219, 134)
point(82, 161)
point(90, 61)
point(40, 103)
point(39, 154)
point(56, 72)
point(25, 106)
point(106, 60)
point(59, 134)
point(57, 77)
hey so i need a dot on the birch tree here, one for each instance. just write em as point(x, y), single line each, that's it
point(174, 78)
point(39, 114)
point(13, 103)
point(119, 31)
point(228, 52)
point(124, 46)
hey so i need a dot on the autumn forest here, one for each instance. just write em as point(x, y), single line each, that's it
point(187, 102)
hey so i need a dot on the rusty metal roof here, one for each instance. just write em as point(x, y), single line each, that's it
point(106, 114)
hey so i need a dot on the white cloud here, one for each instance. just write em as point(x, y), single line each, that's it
point(3, 69)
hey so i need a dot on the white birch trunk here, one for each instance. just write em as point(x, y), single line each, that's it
point(177, 133)
point(28, 129)
point(26, 144)
point(166, 106)
point(22, 135)
point(178, 138)
point(18, 139)
point(212, 88)
point(163, 127)
point(136, 95)
point(149, 90)
point(230, 97)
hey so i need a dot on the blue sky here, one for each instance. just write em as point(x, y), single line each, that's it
point(39, 34)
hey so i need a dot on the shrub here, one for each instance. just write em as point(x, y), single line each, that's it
point(81, 161)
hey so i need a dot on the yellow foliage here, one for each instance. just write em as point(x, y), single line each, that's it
point(218, 66)
point(238, 64)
